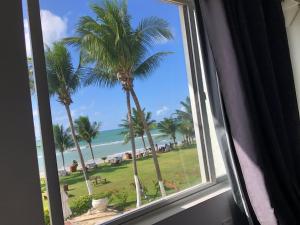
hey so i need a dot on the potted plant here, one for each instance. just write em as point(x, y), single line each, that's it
point(100, 201)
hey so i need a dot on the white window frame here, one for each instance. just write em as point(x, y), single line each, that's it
point(195, 70)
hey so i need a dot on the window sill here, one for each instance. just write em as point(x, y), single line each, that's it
point(171, 205)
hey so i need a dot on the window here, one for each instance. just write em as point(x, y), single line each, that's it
point(132, 128)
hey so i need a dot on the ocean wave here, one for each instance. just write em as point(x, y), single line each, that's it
point(105, 144)
point(109, 143)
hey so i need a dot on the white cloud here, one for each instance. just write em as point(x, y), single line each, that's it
point(162, 111)
point(54, 28)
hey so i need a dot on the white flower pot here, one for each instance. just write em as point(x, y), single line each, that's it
point(100, 204)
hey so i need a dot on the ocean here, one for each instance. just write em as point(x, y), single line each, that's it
point(107, 143)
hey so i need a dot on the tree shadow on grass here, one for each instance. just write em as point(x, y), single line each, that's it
point(122, 207)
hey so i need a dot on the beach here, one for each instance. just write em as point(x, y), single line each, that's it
point(108, 143)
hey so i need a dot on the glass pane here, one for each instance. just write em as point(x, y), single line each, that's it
point(121, 111)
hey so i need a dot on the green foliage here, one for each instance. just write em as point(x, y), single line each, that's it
point(62, 138)
point(81, 205)
point(116, 50)
point(185, 120)
point(63, 81)
point(185, 113)
point(103, 195)
point(181, 166)
point(47, 217)
point(137, 123)
point(168, 127)
point(43, 185)
point(120, 197)
point(85, 129)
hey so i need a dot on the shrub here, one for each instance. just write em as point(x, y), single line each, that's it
point(102, 195)
point(121, 199)
point(43, 185)
point(81, 205)
point(46, 217)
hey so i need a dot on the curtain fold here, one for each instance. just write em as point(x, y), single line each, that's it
point(250, 51)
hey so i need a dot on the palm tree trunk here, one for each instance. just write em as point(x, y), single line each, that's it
point(90, 145)
point(63, 160)
point(143, 140)
point(174, 140)
point(135, 171)
point(147, 130)
point(88, 184)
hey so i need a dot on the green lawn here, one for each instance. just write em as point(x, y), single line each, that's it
point(178, 166)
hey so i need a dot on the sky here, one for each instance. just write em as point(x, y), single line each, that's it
point(161, 93)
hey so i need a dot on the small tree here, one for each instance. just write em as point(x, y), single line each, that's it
point(185, 120)
point(168, 128)
point(63, 140)
point(87, 131)
point(138, 126)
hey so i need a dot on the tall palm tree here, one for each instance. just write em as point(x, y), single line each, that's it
point(168, 128)
point(185, 120)
point(119, 53)
point(63, 140)
point(87, 131)
point(63, 81)
point(138, 126)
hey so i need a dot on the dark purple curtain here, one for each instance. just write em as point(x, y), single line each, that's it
point(250, 51)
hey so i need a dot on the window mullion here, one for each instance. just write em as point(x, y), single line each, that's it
point(200, 111)
point(45, 118)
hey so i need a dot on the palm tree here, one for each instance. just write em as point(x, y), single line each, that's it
point(119, 53)
point(168, 128)
point(87, 131)
point(138, 127)
point(63, 81)
point(186, 128)
point(185, 113)
point(63, 140)
point(185, 120)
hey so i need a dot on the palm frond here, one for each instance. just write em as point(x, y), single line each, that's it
point(62, 138)
point(62, 80)
point(110, 45)
point(168, 127)
point(153, 29)
point(99, 77)
point(145, 68)
point(85, 129)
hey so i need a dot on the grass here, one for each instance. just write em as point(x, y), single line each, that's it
point(180, 167)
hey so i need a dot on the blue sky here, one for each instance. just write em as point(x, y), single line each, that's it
point(160, 94)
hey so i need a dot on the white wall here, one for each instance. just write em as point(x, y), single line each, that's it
point(291, 10)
